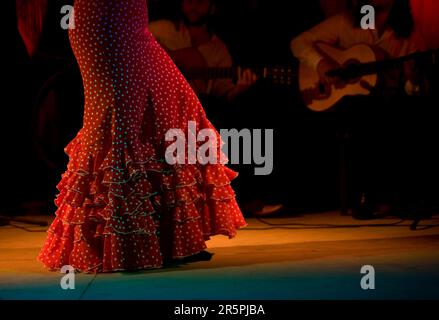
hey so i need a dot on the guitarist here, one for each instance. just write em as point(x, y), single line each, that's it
point(377, 173)
point(393, 34)
point(191, 43)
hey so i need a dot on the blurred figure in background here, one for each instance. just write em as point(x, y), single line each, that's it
point(192, 44)
point(378, 166)
point(393, 34)
point(332, 7)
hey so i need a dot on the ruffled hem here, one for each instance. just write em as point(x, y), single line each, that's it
point(110, 212)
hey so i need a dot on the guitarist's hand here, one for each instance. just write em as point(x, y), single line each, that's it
point(323, 67)
point(246, 79)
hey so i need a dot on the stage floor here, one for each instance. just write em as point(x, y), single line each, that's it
point(315, 256)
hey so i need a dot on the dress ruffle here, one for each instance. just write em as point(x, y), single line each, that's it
point(112, 208)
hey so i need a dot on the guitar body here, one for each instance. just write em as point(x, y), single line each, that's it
point(319, 97)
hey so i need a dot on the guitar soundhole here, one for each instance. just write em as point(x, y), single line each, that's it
point(352, 76)
point(322, 88)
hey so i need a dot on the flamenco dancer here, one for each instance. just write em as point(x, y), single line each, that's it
point(121, 206)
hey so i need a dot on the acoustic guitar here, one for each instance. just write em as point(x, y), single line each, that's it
point(359, 71)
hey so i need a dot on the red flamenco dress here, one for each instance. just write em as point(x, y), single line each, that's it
point(121, 206)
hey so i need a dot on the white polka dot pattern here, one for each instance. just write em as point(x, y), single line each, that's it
point(120, 205)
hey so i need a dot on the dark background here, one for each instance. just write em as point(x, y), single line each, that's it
point(258, 32)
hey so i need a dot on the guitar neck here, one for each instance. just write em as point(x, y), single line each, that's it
point(211, 73)
point(374, 67)
point(355, 70)
point(282, 75)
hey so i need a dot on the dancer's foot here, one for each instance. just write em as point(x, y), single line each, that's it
point(249, 207)
point(268, 210)
point(259, 208)
point(201, 256)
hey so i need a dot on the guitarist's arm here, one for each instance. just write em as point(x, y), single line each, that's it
point(246, 79)
point(413, 79)
point(227, 88)
point(329, 31)
point(412, 73)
